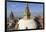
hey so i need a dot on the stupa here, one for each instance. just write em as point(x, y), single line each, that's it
point(12, 23)
point(27, 22)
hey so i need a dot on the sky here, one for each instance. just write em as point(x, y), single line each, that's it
point(19, 8)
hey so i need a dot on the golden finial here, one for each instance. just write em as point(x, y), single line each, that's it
point(27, 12)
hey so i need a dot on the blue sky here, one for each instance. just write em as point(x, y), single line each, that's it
point(19, 8)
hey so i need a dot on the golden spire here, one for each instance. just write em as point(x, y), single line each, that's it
point(11, 15)
point(27, 12)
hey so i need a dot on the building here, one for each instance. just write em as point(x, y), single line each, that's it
point(12, 22)
point(27, 22)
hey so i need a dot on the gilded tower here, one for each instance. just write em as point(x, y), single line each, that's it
point(12, 15)
point(27, 12)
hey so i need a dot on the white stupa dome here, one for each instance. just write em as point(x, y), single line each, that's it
point(27, 22)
